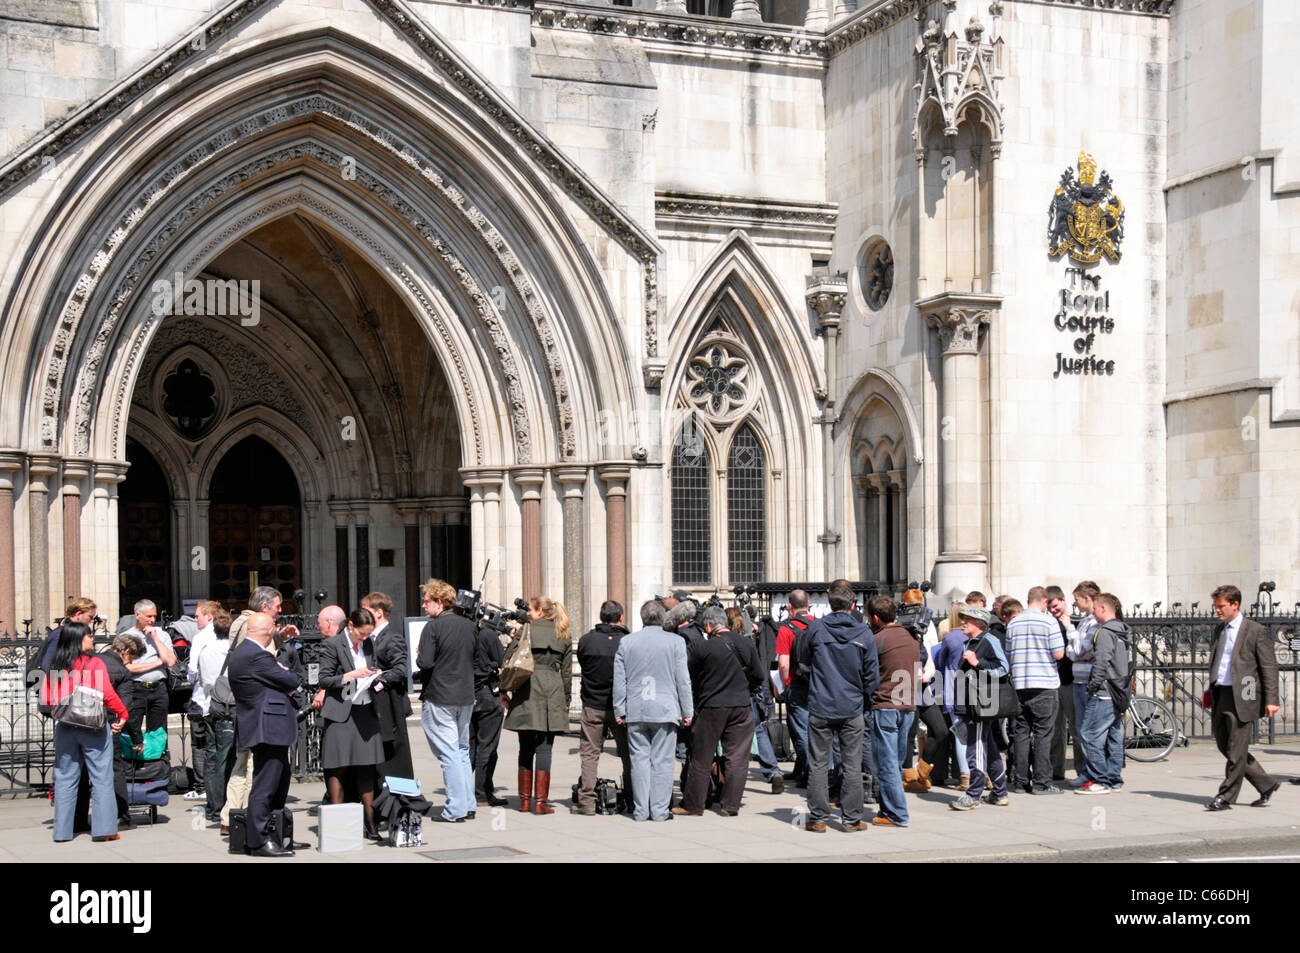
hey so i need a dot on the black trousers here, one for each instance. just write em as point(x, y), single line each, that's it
point(936, 741)
point(1067, 729)
point(269, 792)
point(734, 727)
point(1232, 735)
point(151, 702)
point(1037, 719)
point(198, 747)
point(484, 739)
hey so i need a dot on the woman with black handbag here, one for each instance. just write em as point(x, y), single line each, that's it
point(985, 691)
point(78, 689)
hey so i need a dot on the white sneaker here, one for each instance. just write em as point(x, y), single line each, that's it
point(1092, 787)
point(196, 795)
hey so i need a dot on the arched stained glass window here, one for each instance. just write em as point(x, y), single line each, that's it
point(746, 509)
point(691, 532)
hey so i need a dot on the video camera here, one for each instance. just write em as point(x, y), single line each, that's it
point(486, 615)
point(915, 618)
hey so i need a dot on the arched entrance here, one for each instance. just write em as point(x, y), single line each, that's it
point(366, 202)
point(254, 525)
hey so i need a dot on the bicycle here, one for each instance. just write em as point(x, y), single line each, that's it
point(1150, 729)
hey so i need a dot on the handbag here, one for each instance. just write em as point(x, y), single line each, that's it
point(83, 707)
point(155, 744)
point(518, 668)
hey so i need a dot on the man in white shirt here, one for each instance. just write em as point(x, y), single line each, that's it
point(150, 669)
point(198, 706)
point(1243, 687)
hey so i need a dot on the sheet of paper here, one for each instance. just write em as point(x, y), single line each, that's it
point(362, 684)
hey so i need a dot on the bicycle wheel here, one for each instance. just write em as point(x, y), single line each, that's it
point(1150, 730)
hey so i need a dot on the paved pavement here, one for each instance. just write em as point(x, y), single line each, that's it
point(1162, 804)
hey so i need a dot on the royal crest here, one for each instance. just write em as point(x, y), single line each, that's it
point(1086, 218)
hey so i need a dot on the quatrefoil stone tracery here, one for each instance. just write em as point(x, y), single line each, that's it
point(716, 380)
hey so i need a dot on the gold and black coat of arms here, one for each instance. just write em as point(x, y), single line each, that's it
point(1086, 218)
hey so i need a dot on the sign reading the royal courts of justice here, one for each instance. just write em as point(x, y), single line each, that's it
point(1085, 222)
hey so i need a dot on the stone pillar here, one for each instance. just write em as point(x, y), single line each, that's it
point(880, 486)
point(615, 477)
point(817, 17)
point(861, 529)
point(573, 480)
point(106, 579)
point(485, 529)
point(957, 320)
point(664, 6)
point(746, 11)
point(529, 481)
point(74, 472)
point(410, 513)
point(827, 295)
point(842, 9)
point(896, 490)
point(10, 465)
point(180, 547)
point(40, 469)
point(201, 579)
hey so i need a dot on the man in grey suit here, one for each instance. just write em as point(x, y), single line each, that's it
point(1243, 671)
point(652, 696)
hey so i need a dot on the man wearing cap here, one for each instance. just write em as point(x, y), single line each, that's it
point(983, 664)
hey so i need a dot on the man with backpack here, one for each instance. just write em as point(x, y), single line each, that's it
point(725, 672)
point(150, 669)
point(793, 668)
point(1107, 698)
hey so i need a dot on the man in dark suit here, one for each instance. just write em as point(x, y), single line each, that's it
point(1243, 669)
point(392, 703)
point(267, 724)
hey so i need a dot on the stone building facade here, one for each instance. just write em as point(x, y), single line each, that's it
point(595, 299)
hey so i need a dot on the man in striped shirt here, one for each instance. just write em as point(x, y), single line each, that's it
point(1034, 646)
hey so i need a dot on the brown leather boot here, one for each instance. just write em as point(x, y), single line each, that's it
point(923, 769)
point(525, 791)
point(543, 791)
point(910, 782)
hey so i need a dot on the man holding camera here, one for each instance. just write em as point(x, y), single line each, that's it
point(150, 669)
point(794, 671)
point(596, 651)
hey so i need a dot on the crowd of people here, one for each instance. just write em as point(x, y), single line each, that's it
point(880, 702)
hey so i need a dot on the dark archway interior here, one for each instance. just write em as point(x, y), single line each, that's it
point(255, 524)
point(144, 532)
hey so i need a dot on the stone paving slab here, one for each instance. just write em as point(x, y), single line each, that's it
point(1161, 804)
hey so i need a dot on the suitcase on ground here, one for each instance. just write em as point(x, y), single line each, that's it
point(281, 831)
point(147, 792)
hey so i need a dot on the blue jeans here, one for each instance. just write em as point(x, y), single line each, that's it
point(447, 729)
point(959, 742)
point(889, 731)
point(650, 750)
point(797, 720)
point(1103, 742)
point(766, 753)
point(75, 748)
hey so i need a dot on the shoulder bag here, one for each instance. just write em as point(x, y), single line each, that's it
point(519, 665)
point(83, 706)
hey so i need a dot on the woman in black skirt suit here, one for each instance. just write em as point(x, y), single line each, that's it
point(352, 744)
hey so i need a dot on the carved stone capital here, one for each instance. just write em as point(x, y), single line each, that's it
point(615, 477)
point(957, 319)
point(572, 479)
point(827, 295)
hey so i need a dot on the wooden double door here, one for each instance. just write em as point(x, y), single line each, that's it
point(254, 546)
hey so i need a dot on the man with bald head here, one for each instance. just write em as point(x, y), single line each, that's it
point(267, 724)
